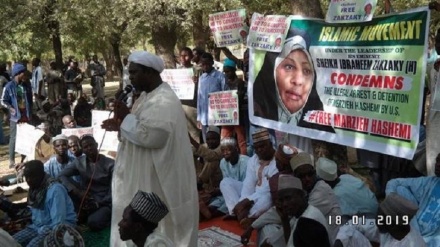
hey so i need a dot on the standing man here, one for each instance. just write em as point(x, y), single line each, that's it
point(17, 98)
point(235, 83)
point(211, 81)
point(73, 78)
point(97, 72)
point(55, 84)
point(38, 89)
point(154, 154)
point(190, 106)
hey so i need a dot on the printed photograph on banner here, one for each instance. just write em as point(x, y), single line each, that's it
point(229, 28)
point(268, 33)
point(223, 108)
point(348, 11)
point(345, 82)
point(181, 81)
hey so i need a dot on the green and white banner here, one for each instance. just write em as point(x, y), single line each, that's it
point(355, 84)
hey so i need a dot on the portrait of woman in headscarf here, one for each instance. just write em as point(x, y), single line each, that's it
point(285, 88)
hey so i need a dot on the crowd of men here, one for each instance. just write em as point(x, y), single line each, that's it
point(176, 169)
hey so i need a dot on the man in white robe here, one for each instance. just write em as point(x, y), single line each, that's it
point(154, 154)
point(425, 193)
point(321, 194)
point(393, 222)
point(354, 196)
point(254, 197)
point(290, 205)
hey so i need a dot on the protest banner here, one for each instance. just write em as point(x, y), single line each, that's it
point(78, 131)
point(267, 33)
point(349, 11)
point(229, 28)
point(181, 81)
point(110, 141)
point(223, 108)
point(26, 140)
point(359, 85)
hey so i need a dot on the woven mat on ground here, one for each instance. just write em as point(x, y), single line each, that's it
point(216, 237)
point(97, 239)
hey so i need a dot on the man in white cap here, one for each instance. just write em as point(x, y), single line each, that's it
point(208, 180)
point(154, 153)
point(424, 192)
point(276, 225)
point(321, 194)
point(255, 196)
point(356, 200)
point(354, 196)
point(61, 159)
point(140, 219)
point(393, 222)
point(282, 157)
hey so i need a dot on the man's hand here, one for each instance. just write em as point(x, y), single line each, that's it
point(121, 110)
point(12, 111)
point(195, 79)
point(199, 125)
point(193, 142)
point(265, 244)
point(111, 124)
point(19, 166)
point(241, 210)
point(246, 236)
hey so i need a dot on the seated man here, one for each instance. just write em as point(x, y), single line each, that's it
point(398, 211)
point(74, 147)
point(69, 122)
point(49, 202)
point(321, 195)
point(233, 167)
point(276, 225)
point(353, 195)
point(254, 197)
point(424, 192)
point(210, 176)
point(141, 217)
point(61, 158)
point(306, 231)
point(44, 149)
point(282, 157)
point(94, 192)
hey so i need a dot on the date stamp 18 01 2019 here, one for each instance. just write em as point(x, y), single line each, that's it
point(362, 220)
